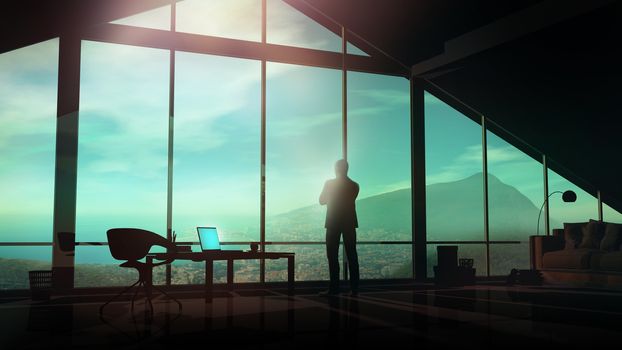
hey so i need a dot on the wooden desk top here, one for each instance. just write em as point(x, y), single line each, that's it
point(221, 255)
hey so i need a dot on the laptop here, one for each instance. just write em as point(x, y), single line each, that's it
point(208, 238)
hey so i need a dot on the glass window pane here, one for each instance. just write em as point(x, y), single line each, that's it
point(454, 182)
point(158, 18)
point(611, 215)
point(27, 141)
point(379, 154)
point(303, 141)
point(190, 272)
point(584, 209)
point(122, 155)
point(235, 19)
point(505, 257)
point(385, 261)
point(15, 262)
point(288, 26)
point(217, 145)
point(353, 50)
point(477, 252)
point(95, 267)
point(310, 263)
point(515, 191)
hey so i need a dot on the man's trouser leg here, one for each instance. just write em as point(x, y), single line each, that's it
point(349, 240)
point(332, 253)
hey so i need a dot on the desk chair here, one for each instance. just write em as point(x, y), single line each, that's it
point(132, 244)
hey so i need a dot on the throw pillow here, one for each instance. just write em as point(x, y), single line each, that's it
point(572, 234)
point(593, 233)
point(613, 237)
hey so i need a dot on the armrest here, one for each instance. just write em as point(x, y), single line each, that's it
point(539, 245)
point(170, 248)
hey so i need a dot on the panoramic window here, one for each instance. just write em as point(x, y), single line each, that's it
point(515, 194)
point(454, 181)
point(584, 209)
point(379, 157)
point(27, 143)
point(122, 148)
point(303, 142)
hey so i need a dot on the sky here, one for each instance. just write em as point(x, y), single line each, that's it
point(124, 127)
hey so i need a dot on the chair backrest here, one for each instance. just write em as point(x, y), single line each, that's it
point(133, 243)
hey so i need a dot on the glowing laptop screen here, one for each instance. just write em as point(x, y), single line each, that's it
point(208, 237)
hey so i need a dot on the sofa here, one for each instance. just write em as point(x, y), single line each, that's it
point(584, 253)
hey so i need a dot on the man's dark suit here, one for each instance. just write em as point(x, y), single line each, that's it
point(339, 195)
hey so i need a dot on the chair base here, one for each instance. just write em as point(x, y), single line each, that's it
point(140, 283)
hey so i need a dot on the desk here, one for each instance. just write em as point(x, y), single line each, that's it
point(228, 255)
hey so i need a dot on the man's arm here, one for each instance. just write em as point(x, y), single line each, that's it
point(325, 195)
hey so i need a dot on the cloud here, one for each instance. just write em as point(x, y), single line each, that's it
point(469, 162)
point(28, 105)
point(218, 195)
point(240, 19)
point(387, 97)
point(158, 18)
point(287, 26)
point(494, 154)
point(28, 89)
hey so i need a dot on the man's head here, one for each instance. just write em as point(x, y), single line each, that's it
point(341, 168)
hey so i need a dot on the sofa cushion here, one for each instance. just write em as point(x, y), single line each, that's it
point(569, 258)
point(610, 262)
point(593, 233)
point(613, 237)
point(572, 234)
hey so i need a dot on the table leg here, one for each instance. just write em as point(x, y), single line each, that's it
point(290, 275)
point(209, 280)
point(230, 274)
point(148, 277)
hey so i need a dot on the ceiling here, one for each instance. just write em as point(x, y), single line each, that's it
point(545, 71)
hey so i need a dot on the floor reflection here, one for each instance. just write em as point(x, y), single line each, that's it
point(381, 316)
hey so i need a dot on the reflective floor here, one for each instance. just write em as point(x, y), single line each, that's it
point(484, 316)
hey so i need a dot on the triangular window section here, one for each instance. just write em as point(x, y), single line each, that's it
point(234, 19)
point(353, 50)
point(158, 18)
point(287, 26)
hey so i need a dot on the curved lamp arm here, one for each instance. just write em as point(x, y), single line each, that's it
point(542, 207)
point(567, 196)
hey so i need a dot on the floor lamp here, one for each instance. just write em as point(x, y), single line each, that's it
point(567, 196)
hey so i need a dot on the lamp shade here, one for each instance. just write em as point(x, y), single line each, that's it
point(569, 196)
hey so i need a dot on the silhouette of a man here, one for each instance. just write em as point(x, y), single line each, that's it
point(339, 195)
